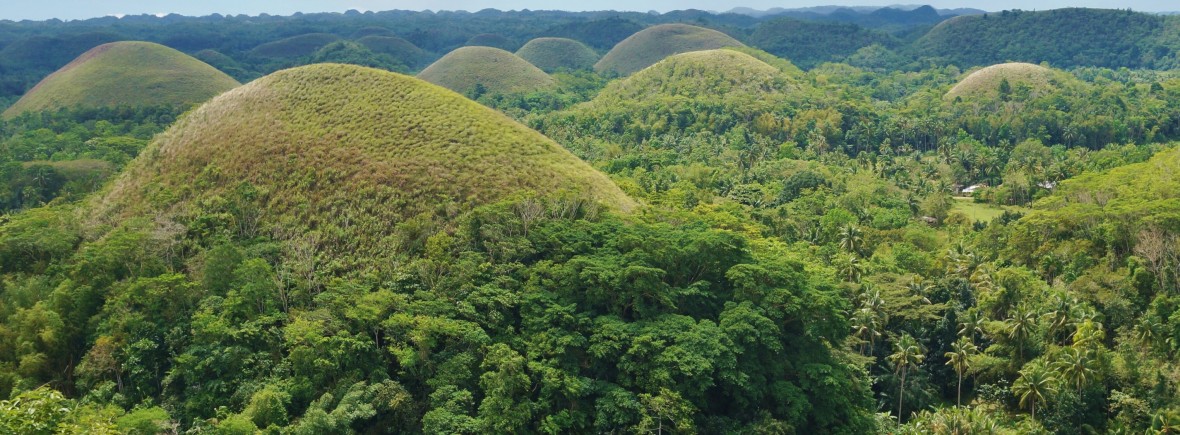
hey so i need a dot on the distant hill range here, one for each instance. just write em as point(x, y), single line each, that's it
point(857, 14)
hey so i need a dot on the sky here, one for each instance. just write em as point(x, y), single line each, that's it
point(81, 9)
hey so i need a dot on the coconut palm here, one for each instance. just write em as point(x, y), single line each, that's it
point(1035, 384)
point(908, 354)
point(1076, 367)
point(971, 325)
point(851, 239)
point(1020, 327)
point(1165, 423)
point(960, 358)
point(865, 327)
point(920, 287)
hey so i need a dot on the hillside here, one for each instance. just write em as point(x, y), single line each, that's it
point(655, 43)
point(989, 82)
point(552, 54)
point(809, 43)
point(350, 149)
point(398, 48)
point(294, 47)
point(493, 69)
point(1063, 37)
point(126, 74)
point(721, 73)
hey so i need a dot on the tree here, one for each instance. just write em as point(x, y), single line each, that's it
point(851, 239)
point(960, 358)
point(908, 353)
point(1076, 367)
point(1020, 327)
point(1035, 384)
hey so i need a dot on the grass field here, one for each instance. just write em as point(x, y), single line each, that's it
point(983, 212)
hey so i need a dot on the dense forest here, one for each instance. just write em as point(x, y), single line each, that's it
point(841, 227)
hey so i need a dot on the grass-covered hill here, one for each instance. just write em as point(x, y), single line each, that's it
point(492, 69)
point(294, 47)
point(653, 44)
point(340, 154)
point(990, 82)
point(552, 54)
point(398, 48)
point(126, 74)
point(1063, 37)
point(719, 74)
point(809, 43)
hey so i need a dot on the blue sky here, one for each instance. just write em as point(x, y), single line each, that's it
point(77, 9)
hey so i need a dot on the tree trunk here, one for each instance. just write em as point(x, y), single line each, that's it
point(900, 395)
point(959, 401)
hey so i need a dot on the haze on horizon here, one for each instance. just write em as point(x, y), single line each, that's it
point(83, 9)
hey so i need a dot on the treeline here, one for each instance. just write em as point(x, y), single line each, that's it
point(248, 47)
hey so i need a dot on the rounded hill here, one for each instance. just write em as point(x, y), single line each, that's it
point(340, 154)
point(295, 46)
point(398, 48)
point(494, 69)
point(552, 54)
point(126, 74)
point(721, 74)
point(655, 43)
point(987, 82)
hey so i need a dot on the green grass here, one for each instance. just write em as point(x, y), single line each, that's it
point(295, 46)
point(552, 54)
point(126, 73)
point(986, 82)
point(983, 212)
point(400, 49)
point(655, 43)
point(342, 154)
point(498, 71)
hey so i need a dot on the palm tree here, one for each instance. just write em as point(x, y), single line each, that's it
point(1075, 366)
point(971, 325)
point(1165, 422)
point(920, 287)
point(1059, 316)
point(1035, 384)
point(907, 354)
point(960, 358)
point(865, 327)
point(1020, 327)
point(851, 239)
point(850, 267)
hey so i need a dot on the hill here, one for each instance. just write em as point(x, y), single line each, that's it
point(551, 54)
point(398, 48)
point(601, 35)
point(493, 69)
point(1063, 37)
point(343, 153)
point(295, 46)
point(655, 43)
point(987, 82)
point(810, 43)
point(126, 74)
point(721, 74)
